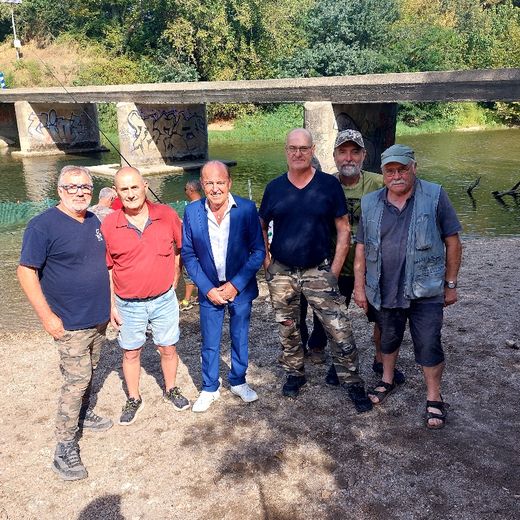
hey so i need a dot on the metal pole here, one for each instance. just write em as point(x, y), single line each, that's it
point(14, 34)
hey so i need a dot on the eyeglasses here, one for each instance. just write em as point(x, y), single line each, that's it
point(293, 150)
point(398, 171)
point(218, 184)
point(72, 189)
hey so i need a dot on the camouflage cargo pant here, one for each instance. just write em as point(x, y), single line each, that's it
point(79, 355)
point(320, 288)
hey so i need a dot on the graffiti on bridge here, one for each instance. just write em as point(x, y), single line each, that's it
point(176, 133)
point(50, 127)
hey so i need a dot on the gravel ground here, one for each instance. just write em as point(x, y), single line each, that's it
point(283, 459)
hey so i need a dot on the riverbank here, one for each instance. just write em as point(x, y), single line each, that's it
point(309, 458)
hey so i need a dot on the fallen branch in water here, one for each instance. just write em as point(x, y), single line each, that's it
point(473, 185)
point(514, 192)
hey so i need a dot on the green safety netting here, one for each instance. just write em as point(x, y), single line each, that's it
point(14, 214)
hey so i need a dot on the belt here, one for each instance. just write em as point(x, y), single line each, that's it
point(293, 269)
point(149, 298)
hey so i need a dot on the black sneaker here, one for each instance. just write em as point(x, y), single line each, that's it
point(399, 377)
point(332, 376)
point(91, 421)
point(130, 411)
point(359, 397)
point(174, 396)
point(67, 462)
point(292, 386)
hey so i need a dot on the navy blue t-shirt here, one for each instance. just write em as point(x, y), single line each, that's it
point(70, 258)
point(302, 218)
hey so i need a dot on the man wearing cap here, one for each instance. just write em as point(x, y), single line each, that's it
point(349, 155)
point(407, 259)
point(304, 204)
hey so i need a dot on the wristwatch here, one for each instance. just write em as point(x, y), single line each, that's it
point(450, 284)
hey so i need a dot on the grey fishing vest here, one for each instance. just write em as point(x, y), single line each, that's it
point(425, 251)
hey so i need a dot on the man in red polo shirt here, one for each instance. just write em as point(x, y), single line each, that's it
point(143, 241)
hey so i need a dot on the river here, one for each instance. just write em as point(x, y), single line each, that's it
point(453, 159)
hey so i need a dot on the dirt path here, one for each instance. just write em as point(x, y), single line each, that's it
point(310, 458)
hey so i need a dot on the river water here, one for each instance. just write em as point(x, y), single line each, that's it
point(454, 160)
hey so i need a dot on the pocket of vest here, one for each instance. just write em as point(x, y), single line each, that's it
point(423, 232)
point(370, 251)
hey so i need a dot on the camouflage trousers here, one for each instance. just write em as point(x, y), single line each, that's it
point(320, 288)
point(79, 355)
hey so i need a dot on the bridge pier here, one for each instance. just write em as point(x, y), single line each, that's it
point(375, 121)
point(45, 129)
point(156, 136)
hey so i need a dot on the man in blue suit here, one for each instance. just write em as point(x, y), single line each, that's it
point(222, 249)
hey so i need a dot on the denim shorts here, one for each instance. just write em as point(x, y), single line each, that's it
point(162, 313)
point(425, 321)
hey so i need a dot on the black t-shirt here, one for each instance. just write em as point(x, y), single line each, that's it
point(302, 218)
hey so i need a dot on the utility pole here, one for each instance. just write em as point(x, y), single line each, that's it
point(17, 43)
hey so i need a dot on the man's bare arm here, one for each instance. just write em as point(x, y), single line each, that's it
point(115, 319)
point(28, 278)
point(342, 244)
point(453, 259)
point(360, 297)
point(265, 229)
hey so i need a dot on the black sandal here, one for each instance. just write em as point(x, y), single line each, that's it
point(443, 407)
point(381, 395)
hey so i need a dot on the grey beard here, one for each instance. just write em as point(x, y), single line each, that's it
point(349, 171)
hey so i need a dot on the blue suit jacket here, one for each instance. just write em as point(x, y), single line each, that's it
point(245, 252)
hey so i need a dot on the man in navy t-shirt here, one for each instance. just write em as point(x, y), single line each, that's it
point(63, 274)
point(305, 205)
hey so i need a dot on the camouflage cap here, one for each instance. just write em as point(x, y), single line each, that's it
point(398, 153)
point(349, 135)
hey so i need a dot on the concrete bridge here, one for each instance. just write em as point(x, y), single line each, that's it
point(164, 124)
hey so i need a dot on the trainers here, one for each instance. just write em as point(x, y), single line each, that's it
point(91, 421)
point(130, 411)
point(359, 397)
point(317, 355)
point(174, 396)
point(332, 376)
point(399, 377)
point(292, 386)
point(205, 400)
point(67, 462)
point(194, 300)
point(245, 392)
point(185, 305)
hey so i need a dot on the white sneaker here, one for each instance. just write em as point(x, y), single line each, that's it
point(245, 392)
point(205, 400)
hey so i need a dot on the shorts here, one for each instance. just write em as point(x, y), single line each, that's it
point(425, 321)
point(162, 313)
point(186, 277)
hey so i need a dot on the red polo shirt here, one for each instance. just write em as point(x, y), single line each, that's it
point(142, 263)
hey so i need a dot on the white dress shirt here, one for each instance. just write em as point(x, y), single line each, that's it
point(219, 237)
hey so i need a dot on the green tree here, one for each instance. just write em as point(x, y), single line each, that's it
point(344, 38)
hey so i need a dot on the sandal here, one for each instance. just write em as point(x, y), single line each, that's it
point(399, 377)
point(381, 395)
point(443, 408)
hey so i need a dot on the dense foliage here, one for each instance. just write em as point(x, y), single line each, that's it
point(189, 40)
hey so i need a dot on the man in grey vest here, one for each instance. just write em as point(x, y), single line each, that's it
point(408, 256)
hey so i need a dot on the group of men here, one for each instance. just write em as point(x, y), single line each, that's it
point(79, 274)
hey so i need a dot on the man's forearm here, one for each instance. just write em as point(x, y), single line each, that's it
point(342, 244)
point(453, 256)
point(265, 229)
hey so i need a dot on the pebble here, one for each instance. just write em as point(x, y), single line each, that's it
point(512, 344)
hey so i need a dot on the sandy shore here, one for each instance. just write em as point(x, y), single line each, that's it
point(282, 459)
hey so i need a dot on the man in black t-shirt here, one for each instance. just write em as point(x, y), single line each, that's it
point(304, 205)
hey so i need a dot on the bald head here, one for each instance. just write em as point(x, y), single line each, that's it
point(299, 134)
point(131, 188)
point(214, 166)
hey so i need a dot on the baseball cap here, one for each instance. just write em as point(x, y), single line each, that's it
point(399, 153)
point(349, 135)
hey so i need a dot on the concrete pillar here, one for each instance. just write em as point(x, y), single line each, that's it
point(375, 121)
point(46, 129)
point(8, 128)
point(158, 135)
